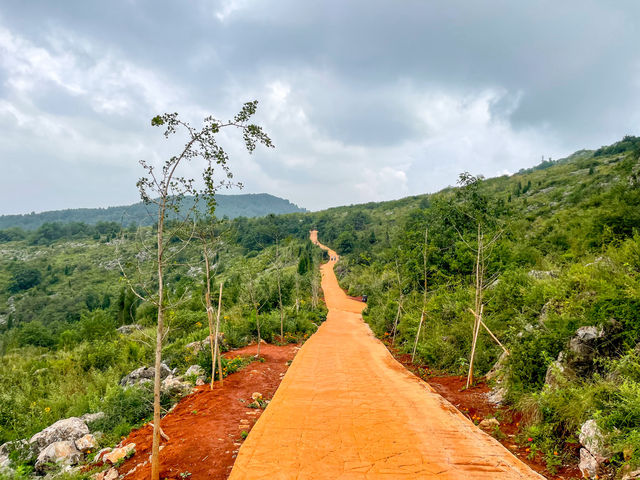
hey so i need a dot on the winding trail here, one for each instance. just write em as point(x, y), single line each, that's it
point(347, 410)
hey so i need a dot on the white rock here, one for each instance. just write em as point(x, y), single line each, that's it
point(64, 453)
point(111, 474)
point(68, 429)
point(92, 417)
point(489, 423)
point(592, 439)
point(86, 443)
point(196, 370)
point(588, 464)
point(497, 395)
point(118, 453)
point(175, 386)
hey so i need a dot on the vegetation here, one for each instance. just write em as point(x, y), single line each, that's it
point(231, 206)
point(63, 356)
point(566, 254)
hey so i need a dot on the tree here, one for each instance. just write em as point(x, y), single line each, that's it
point(475, 206)
point(165, 188)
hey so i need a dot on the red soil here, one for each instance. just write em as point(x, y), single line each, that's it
point(205, 427)
point(474, 404)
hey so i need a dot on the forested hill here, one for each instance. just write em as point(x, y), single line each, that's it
point(232, 206)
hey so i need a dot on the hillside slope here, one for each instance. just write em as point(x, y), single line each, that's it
point(231, 206)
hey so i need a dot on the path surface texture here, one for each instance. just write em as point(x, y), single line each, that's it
point(347, 410)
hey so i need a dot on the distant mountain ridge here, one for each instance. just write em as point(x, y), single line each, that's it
point(233, 206)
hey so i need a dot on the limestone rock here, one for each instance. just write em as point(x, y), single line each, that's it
point(542, 274)
point(68, 429)
point(86, 443)
point(583, 349)
point(498, 367)
point(557, 372)
point(99, 456)
point(588, 464)
point(175, 386)
point(199, 382)
point(64, 452)
point(21, 447)
point(489, 423)
point(111, 474)
point(92, 417)
point(128, 329)
point(592, 439)
point(144, 375)
point(635, 475)
point(119, 453)
point(196, 347)
point(195, 370)
point(5, 463)
point(497, 395)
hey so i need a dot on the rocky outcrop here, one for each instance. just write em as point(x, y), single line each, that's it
point(129, 329)
point(594, 451)
point(58, 453)
point(196, 347)
point(119, 453)
point(579, 358)
point(87, 443)
point(144, 375)
point(195, 370)
point(497, 374)
point(583, 348)
point(542, 274)
point(175, 386)
point(89, 418)
point(67, 430)
point(196, 374)
point(111, 474)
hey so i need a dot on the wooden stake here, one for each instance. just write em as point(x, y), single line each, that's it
point(415, 345)
point(491, 333)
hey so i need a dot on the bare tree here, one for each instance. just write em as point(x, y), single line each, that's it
point(424, 291)
point(475, 207)
point(165, 189)
point(400, 302)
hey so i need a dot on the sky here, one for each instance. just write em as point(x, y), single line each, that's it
point(364, 100)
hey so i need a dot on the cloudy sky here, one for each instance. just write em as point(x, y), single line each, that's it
point(365, 100)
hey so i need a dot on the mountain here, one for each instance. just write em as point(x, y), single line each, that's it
point(232, 206)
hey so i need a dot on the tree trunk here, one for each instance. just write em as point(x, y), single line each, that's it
point(216, 348)
point(424, 293)
point(209, 307)
point(280, 295)
point(155, 449)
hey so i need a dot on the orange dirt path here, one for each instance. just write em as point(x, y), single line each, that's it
point(346, 409)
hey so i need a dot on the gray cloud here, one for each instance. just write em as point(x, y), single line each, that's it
point(365, 100)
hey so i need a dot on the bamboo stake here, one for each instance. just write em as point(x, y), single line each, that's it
point(476, 330)
point(415, 345)
point(491, 333)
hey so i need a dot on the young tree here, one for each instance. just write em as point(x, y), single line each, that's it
point(475, 207)
point(165, 189)
point(424, 291)
point(204, 231)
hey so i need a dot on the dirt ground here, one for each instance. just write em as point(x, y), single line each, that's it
point(205, 428)
point(473, 403)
